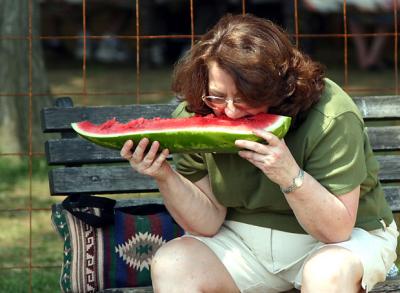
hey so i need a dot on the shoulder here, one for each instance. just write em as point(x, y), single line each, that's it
point(334, 108)
point(181, 112)
point(334, 117)
point(335, 102)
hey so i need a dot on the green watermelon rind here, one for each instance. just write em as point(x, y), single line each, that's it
point(187, 140)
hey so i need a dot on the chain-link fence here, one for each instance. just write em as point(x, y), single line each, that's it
point(122, 52)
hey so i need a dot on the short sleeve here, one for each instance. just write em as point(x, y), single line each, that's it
point(191, 166)
point(338, 160)
point(180, 111)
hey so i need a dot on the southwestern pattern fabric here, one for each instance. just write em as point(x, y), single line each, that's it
point(116, 256)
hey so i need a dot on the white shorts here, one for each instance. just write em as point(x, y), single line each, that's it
point(264, 260)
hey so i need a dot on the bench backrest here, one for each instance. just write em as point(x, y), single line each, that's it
point(90, 169)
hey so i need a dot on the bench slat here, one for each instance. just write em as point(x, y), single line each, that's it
point(389, 171)
point(59, 119)
point(392, 194)
point(75, 180)
point(79, 151)
point(389, 286)
point(91, 180)
point(114, 179)
point(98, 180)
point(379, 107)
point(384, 138)
point(389, 168)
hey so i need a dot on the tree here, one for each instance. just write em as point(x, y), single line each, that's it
point(22, 76)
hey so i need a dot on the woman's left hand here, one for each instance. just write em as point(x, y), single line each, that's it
point(274, 159)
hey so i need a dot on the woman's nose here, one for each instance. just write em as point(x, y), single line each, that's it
point(230, 110)
point(230, 105)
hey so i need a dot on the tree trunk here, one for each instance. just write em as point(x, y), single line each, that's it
point(22, 77)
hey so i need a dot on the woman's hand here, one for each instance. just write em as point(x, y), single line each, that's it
point(274, 158)
point(152, 163)
point(192, 205)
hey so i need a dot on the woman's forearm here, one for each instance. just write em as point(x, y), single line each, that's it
point(323, 215)
point(193, 206)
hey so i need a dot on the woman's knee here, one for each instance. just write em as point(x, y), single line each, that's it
point(170, 266)
point(188, 263)
point(333, 267)
point(173, 254)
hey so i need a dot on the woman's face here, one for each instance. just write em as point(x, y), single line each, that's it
point(222, 85)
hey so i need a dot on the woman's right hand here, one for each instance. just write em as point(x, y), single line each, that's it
point(151, 163)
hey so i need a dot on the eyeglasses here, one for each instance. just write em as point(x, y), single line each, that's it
point(219, 102)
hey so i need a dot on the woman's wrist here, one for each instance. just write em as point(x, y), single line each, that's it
point(296, 183)
point(165, 173)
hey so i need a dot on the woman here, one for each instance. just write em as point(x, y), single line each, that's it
point(306, 211)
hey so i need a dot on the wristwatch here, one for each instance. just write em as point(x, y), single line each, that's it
point(297, 182)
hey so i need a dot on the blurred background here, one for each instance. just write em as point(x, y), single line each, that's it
point(123, 52)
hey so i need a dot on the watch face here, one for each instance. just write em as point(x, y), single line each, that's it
point(298, 181)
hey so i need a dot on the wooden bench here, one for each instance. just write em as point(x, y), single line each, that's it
point(85, 168)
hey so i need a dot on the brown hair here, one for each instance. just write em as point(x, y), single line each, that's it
point(264, 64)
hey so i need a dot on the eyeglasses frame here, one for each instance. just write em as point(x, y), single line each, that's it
point(237, 102)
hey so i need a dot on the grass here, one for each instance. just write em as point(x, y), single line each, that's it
point(17, 280)
point(17, 194)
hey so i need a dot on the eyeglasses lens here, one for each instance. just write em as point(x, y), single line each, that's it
point(219, 102)
point(216, 100)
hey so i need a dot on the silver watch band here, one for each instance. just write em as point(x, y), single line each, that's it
point(297, 182)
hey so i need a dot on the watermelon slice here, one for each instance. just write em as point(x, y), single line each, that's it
point(183, 135)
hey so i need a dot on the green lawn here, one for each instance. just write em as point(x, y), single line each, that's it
point(17, 195)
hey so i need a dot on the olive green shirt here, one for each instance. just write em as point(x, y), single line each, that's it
point(331, 145)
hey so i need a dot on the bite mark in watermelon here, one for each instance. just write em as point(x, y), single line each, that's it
point(183, 135)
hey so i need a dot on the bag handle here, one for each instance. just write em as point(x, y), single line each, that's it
point(106, 205)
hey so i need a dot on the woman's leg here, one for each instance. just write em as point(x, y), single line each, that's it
point(187, 265)
point(360, 43)
point(332, 269)
point(377, 48)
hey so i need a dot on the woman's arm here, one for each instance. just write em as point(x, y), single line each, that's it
point(326, 217)
point(323, 215)
point(192, 205)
